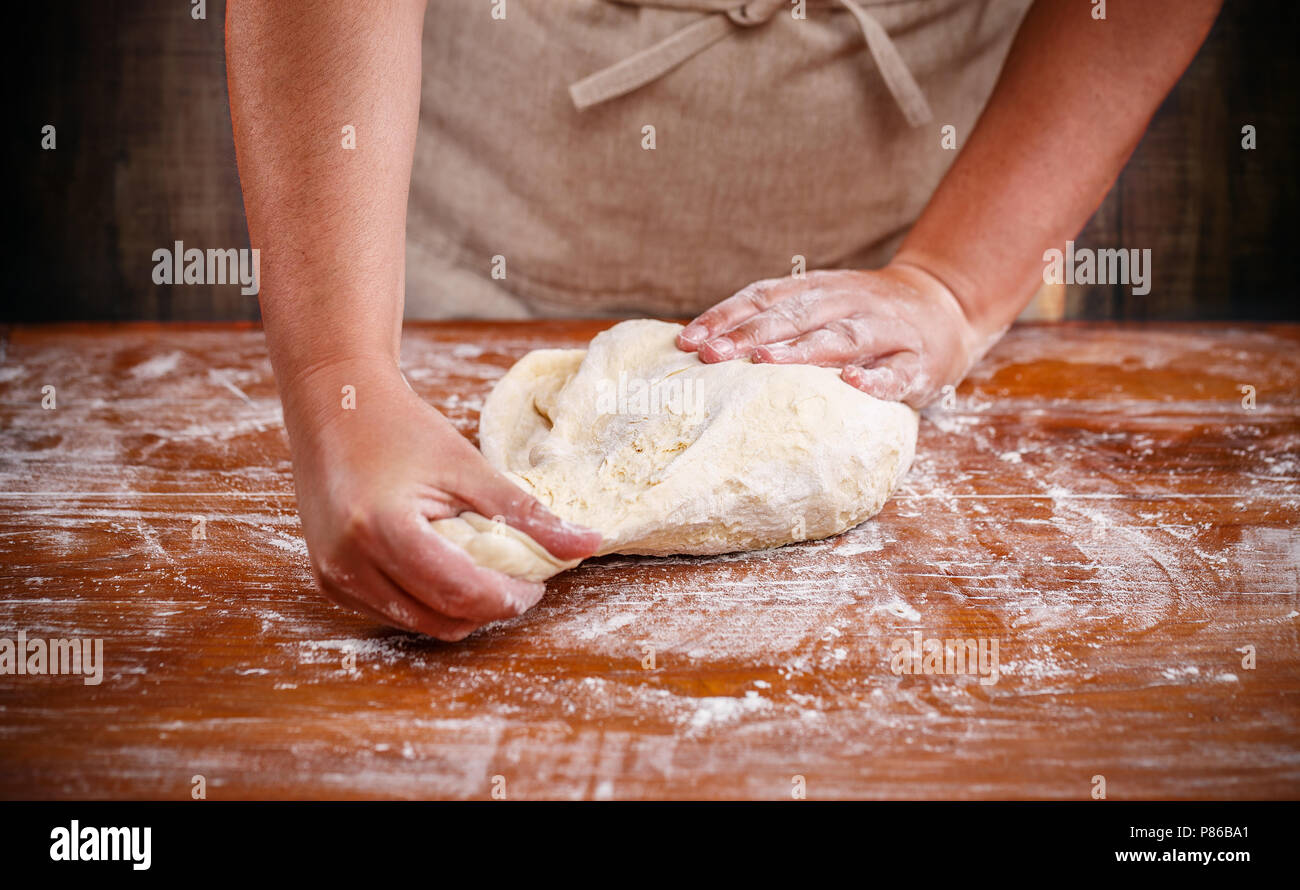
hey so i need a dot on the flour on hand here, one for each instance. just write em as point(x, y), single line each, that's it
point(664, 454)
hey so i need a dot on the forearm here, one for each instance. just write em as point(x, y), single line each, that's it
point(1073, 100)
point(329, 221)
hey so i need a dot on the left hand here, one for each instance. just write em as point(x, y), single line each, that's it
point(898, 333)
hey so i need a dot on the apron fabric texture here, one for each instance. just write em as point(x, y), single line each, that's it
point(775, 136)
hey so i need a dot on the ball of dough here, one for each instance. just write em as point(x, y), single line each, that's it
point(664, 454)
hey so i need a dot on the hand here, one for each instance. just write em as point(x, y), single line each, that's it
point(369, 482)
point(898, 333)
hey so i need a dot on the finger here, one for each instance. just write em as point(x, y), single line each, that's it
point(445, 578)
point(749, 300)
point(497, 496)
point(797, 314)
point(408, 615)
point(374, 595)
point(838, 342)
point(895, 378)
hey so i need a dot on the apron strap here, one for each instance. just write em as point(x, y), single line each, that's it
point(657, 60)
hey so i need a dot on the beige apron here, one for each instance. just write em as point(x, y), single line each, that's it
point(774, 136)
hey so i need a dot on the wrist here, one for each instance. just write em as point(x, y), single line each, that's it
point(980, 326)
point(314, 395)
point(936, 289)
point(987, 315)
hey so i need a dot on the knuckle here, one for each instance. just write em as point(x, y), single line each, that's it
point(333, 577)
point(755, 295)
point(799, 309)
point(530, 510)
point(850, 332)
point(745, 335)
point(358, 524)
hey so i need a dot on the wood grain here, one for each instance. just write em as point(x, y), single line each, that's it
point(1097, 499)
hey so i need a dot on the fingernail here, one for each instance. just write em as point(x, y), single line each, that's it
point(722, 348)
point(772, 353)
point(693, 334)
point(582, 531)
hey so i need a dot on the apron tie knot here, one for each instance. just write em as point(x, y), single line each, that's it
point(657, 60)
point(755, 12)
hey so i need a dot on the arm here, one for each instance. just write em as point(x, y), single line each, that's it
point(1072, 102)
point(330, 224)
point(1071, 105)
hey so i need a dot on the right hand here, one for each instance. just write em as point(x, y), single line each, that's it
point(369, 482)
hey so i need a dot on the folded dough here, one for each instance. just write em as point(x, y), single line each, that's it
point(664, 454)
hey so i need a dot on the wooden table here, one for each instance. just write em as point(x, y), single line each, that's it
point(1097, 499)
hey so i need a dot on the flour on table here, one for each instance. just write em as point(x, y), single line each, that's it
point(664, 454)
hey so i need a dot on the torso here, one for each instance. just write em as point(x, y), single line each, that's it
point(777, 141)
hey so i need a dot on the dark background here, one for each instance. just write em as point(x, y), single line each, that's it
point(137, 92)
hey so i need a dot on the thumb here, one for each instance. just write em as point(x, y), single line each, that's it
point(499, 497)
point(895, 378)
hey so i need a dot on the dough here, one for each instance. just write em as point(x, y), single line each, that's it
point(501, 547)
point(664, 454)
